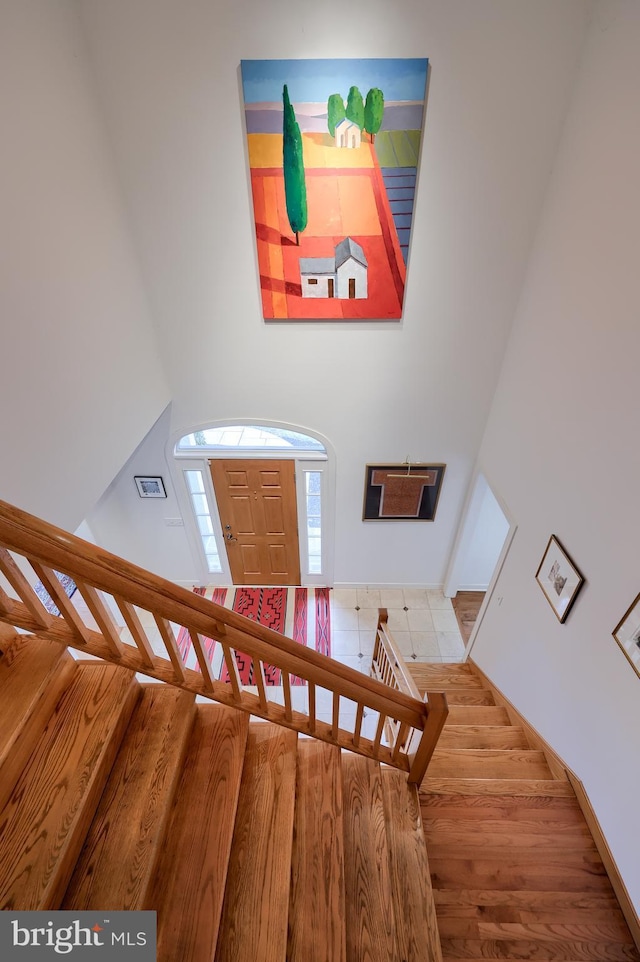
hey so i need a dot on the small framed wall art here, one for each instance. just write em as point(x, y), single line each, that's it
point(559, 578)
point(150, 487)
point(402, 492)
point(627, 634)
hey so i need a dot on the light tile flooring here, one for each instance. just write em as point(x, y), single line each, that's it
point(421, 621)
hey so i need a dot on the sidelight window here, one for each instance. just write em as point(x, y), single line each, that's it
point(200, 504)
point(313, 498)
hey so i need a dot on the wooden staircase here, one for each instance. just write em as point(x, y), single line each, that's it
point(514, 868)
point(250, 842)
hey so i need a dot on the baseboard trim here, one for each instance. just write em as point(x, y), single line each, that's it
point(535, 739)
point(561, 771)
point(626, 905)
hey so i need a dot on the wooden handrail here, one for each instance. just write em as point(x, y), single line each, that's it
point(99, 574)
point(386, 652)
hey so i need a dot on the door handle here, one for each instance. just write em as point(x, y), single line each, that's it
point(228, 535)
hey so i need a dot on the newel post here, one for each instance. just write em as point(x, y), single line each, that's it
point(437, 715)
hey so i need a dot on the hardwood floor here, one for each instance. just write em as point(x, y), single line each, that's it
point(514, 869)
point(466, 606)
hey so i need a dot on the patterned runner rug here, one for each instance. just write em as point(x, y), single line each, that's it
point(302, 614)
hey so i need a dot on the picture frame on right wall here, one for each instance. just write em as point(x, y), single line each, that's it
point(627, 634)
point(559, 578)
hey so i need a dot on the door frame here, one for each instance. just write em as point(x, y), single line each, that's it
point(479, 483)
point(324, 463)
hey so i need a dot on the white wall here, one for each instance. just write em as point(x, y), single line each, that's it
point(136, 528)
point(561, 443)
point(486, 530)
point(502, 70)
point(81, 380)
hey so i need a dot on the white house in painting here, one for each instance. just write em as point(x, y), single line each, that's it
point(343, 275)
point(347, 134)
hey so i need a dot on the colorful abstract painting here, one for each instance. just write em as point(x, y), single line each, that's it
point(333, 151)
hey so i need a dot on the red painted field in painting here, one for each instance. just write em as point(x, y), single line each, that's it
point(342, 202)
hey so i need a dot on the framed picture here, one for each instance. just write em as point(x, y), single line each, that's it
point(150, 487)
point(627, 634)
point(402, 492)
point(559, 578)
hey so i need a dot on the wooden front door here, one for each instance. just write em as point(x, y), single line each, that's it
point(257, 504)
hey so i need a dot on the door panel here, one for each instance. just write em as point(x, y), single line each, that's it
point(277, 558)
point(257, 503)
point(273, 519)
point(242, 514)
point(250, 556)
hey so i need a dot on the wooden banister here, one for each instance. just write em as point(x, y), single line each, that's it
point(388, 666)
point(110, 585)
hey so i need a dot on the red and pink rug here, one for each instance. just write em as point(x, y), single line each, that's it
point(302, 614)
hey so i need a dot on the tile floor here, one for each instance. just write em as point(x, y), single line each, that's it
point(421, 621)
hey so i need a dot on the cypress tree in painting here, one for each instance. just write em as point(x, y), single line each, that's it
point(355, 107)
point(335, 112)
point(295, 188)
point(373, 111)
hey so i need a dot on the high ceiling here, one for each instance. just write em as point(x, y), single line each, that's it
point(167, 81)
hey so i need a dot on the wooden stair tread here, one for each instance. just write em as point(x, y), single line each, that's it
point(527, 900)
point(470, 836)
point(479, 697)
point(521, 853)
point(513, 914)
point(120, 853)
point(496, 786)
point(317, 902)
point(44, 822)
point(256, 903)
point(456, 669)
point(578, 875)
point(414, 909)
point(488, 763)
point(491, 715)
point(33, 675)
point(543, 950)
point(504, 807)
point(442, 677)
point(191, 873)
point(369, 907)
point(483, 736)
point(584, 931)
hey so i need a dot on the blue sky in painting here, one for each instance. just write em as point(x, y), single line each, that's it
point(312, 81)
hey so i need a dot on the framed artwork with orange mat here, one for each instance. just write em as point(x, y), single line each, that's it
point(402, 492)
